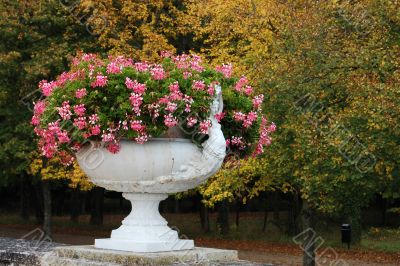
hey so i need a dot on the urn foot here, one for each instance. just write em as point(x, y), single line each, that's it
point(144, 229)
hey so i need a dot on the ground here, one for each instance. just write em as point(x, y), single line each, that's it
point(259, 250)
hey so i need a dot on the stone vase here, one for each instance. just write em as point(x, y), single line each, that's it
point(146, 174)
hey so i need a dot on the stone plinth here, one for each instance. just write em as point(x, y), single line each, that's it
point(38, 252)
point(89, 255)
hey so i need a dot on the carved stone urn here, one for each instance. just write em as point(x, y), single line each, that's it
point(146, 174)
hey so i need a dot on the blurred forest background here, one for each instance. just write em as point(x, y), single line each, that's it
point(329, 70)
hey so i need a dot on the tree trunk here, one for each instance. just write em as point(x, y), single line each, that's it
point(97, 207)
point(204, 218)
point(238, 203)
point(75, 207)
point(309, 239)
point(293, 215)
point(265, 219)
point(275, 206)
point(223, 217)
point(37, 199)
point(384, 211)
point(24, 197)
point(47, 208)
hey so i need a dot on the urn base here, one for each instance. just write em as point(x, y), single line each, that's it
point(129, 245)
point(144, 229)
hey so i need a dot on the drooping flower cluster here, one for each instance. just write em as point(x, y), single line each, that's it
point(107, 100)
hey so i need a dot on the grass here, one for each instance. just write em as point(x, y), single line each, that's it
point(250, 228)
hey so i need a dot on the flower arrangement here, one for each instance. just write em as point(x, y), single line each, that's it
point(106, 100)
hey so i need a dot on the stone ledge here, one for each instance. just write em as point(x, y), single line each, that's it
point(198, 256)
point(43, 253)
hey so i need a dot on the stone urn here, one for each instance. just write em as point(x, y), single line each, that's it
point(146, 174)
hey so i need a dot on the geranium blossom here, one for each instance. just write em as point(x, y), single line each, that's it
point(113, 68)
point(64, 111)
point(80, 93)
point(100, 81)
point(110, 99)
point(136, 125)
point(80, 109)
point(239, 116)
point(170, 120)
point(137, 87)
point(93, 119)
point(204, 126)
point(80, 122)
point(225, 69)
point(257, 101)
point(157, 72)
point(136, 101)
point(191, 121)
point(39, 108)
point(198, 85)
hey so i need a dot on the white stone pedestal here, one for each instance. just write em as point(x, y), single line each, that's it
point(90, 256)
point(144, 229)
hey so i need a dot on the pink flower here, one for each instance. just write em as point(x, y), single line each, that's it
point(204, 126)
point(271, 128)
point(219, 116)
point(211, 90)
point(166, 54)
point(124, 125)
point(100, 81)
point(257, 101)
point(137, 87)
point(93, 119)
point(136, 101)
point(157, 72)
point(174, 87)
point(88, 57)
point(64, 111)
point(237, 141)
point(136, 125)
point(248, 90)
point(109, 137)
point(142, 138)
point(49, 149)
point(239, 85)
point(113, 68)
point(195, 63)
point(141, 66)
point(198, 85)
point(154, 110)
point(265, 139)
point(63, 137)
point(80, 109)
point(187, 74)
point(80, 93)
point(113, 147)
point(225, 69)
point(47, 87)
point(35, 120)
point(191, 121)
point(187, 108)
point(54, 127)
point(170, 120)
point(250, 118)
point(80, 122)
point(39, 108)
point(171, 107)
point(95, 130)
point(239, 116)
